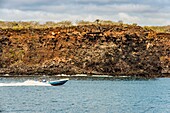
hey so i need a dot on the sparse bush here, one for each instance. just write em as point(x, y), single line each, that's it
point(120, 22)
point(64, 23)
point(97, 21)
point(134, 24)
point(82, 22)
point(50, 24)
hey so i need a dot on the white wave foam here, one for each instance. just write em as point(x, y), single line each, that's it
point(26, 83)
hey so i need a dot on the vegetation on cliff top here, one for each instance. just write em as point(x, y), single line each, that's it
point(17, 25)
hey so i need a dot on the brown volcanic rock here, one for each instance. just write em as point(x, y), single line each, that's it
point(86, 49)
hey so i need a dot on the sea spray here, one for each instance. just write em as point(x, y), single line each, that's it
point(25, 83)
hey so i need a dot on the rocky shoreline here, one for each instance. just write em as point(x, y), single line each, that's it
point(114, 50)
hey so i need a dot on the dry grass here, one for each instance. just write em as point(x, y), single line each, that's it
point(159, 29)
point(18, 25)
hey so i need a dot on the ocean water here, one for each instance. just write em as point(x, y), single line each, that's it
point(20, 95)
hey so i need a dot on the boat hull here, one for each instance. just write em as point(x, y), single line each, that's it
point(57, 83)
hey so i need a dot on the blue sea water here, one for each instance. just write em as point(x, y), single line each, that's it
point(86, 96)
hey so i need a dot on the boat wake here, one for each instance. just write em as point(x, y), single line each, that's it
point(25, 83)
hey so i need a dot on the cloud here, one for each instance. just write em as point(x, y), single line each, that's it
point(18, 15)
point(130, 11)
point(14, 15)
point(127, 18)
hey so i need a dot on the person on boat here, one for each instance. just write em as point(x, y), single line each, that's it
point(43, 80)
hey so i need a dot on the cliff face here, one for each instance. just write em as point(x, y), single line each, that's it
point(88, 49)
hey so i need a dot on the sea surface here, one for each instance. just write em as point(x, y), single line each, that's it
point(22, 95)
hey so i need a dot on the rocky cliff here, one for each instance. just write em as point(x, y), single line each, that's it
point(89, 49)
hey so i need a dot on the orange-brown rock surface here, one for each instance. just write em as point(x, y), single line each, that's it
point(90, 49)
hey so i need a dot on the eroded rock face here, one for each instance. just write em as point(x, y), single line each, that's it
point(84, 49)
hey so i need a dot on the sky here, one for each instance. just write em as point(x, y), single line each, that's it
point(142, 12)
